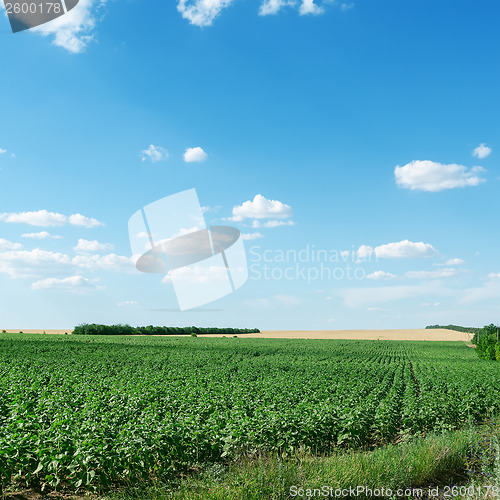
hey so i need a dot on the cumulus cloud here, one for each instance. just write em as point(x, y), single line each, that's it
point(398, 250)
point(92, 246)
point(73, 31)
point(251, 236)
point(405, 250)
point(494, 276)
point(33, 263)
point(37, 263)
point(482, 151)
point(43, 218)
point(261, 208)
point(433, 176)
point(309, 7)
point(72, 284)
point(9, 245)
point(2, 151)
point(154, 154)
point(201, 12)
point(380, 275)
point(41, 235)
point(270, 7)
point(196, 154)
point(81, 220)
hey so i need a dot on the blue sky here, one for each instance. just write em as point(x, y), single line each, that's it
point(366, 130)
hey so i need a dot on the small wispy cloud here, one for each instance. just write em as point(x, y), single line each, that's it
point(41, 235)
point(154, 154)
point(482, 151)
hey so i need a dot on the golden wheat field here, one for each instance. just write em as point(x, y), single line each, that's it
point(409, 334)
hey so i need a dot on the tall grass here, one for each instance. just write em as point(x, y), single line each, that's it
point(465, 457)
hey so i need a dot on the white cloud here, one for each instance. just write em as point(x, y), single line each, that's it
point(427, 304)
point(251, 236)
point(73, 31)
point(201, 12)
point(109, 262)
point(364, 252)
point(270, 7)
point(39, 218)
point(41, 235)
point(34, 263)
point(37, 263)
point(154, 154)
point(43, 218)
point(128, 303)
point(309, 7)
point(494, 276)
point(380, 275)
point(441, 273)
point(81, 220)
point(2, 151)
point(72, 284)
point(398, 250)
point(272, 223)
point(9, 245)
point(433, 176)
point(405, 250)
point(482, 151)
point(261, 208)
point(452, 262)
point(92, 246)
point(192, 155)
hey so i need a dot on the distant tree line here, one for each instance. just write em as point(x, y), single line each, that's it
point(486, 339)
point(466, 329)
point(95, 329)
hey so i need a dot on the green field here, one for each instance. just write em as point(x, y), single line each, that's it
point(87, 412)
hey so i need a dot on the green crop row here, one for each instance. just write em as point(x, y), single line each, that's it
point(94, 412)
